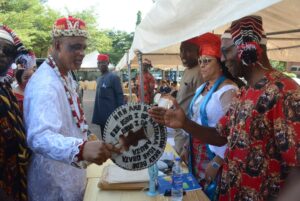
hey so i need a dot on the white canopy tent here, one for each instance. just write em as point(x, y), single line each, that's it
point(90, 60)
point(165, 58)
point(171, 21)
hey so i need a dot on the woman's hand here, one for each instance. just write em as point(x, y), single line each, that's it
point(212, 168)
point(210, 173)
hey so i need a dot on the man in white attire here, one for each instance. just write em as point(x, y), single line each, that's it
point(55, 122)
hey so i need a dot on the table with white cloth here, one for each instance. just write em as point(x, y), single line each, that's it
point(93, 193)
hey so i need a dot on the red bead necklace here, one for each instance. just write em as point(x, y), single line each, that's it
point(79, 120)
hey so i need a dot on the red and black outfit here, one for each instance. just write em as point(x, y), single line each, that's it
point(263, 131)
point(149, 83)
point(14, 154)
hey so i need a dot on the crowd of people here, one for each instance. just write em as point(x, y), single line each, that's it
point(257, 134)
point(241, 138)
point(151, 86)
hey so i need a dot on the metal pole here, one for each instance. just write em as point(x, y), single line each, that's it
point(177, 73)
point(283, 32)
point(278, 38)
point(284, 48)
point(140, 61)
point(129, 76)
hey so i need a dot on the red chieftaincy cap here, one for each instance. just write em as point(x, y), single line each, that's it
point(69, 27)
point(103, 57)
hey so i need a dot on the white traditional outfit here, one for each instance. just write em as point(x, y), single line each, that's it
point(54, 135)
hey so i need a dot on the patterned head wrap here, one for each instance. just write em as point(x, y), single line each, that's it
point(22, 55)
point(69, 27)
point(228, 35)
point(210, 44)
point(247, 34)
point(5, 35)
point(25, 61)
point(15, 39)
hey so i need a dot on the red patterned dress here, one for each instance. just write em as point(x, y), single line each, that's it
point(263, 131)
point(149, 84)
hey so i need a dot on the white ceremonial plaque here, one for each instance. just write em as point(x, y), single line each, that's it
point(142, 141)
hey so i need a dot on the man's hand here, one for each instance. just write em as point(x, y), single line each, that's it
point(173, 118)
point(97, 151)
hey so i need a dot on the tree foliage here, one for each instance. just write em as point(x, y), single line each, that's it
point(121, 42)
point(279, 65)
point(32, 21)
point(98, 40)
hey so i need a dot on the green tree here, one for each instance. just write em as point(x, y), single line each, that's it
point(279, 65)
point(121, 42)
point(98, 40)
point(31, 21)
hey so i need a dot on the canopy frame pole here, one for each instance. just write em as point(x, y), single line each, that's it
point(177, 73)
point(278, 38)
point(129, 76)
point(283, 32)
point(284, 48)
point(140, 62)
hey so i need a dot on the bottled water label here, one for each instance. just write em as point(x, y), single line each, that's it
point(177, 182)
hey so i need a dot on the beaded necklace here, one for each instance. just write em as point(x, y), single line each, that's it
point(79, 120)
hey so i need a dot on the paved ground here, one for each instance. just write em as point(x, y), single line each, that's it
point(88, 107)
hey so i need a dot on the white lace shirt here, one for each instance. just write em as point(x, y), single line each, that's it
point(53, 137)
point(215, 111)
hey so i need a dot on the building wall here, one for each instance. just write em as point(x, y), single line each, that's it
point(290, 64)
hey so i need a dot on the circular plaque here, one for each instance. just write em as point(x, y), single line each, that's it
point(142, 141)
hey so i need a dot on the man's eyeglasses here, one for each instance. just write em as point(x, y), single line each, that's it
point(8, 50)
point(204, 61)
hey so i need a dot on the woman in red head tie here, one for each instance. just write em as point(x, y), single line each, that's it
point(209, 104)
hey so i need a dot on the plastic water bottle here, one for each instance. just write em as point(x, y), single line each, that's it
point(177, 189)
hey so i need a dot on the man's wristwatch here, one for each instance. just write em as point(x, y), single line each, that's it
point(215, 165)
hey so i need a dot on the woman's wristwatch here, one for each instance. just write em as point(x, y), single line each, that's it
point(215, 165)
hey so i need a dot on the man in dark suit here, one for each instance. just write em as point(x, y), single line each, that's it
point(109, 94)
